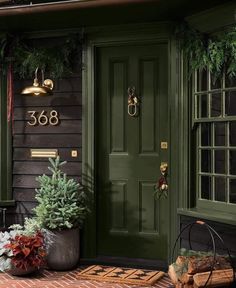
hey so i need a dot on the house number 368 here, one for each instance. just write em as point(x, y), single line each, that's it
point(42, 118)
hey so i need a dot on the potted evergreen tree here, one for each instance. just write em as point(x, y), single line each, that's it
point(62, 208)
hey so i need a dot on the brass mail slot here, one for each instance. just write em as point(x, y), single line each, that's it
point(44, 153)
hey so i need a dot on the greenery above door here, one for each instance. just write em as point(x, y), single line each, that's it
point(213, 51)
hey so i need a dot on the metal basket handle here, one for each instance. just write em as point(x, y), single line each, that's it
point(212, 233)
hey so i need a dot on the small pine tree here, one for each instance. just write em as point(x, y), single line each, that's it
point(62, 201)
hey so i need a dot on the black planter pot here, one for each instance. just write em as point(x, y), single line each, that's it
point(63, 252)
point(21, 272)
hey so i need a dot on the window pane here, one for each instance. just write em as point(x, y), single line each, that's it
point(203, 106)
point(230, 103)
point(232, 191)
point(232, 159)
point(216, 105)
point(205, 134)
point(197, 99)
point(220, 191)
point(206, 161)
point(215, 83)
point(206, 187)
point(220, 161)
point(202, 80)
point(230, 82)
point(232, 134)
point(220, 134)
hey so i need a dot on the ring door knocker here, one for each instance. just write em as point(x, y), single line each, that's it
point(133, 102)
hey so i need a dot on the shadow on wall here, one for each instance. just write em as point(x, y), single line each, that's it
point(18, 213)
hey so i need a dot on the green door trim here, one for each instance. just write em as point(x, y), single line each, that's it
point(5, 149)
point(119, 35)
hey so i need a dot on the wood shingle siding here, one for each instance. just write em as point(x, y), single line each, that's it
point(66, 136)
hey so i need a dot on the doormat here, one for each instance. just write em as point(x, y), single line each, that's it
point(121, 275)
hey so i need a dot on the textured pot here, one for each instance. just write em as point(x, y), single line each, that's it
point(21, 272)
point(63, 251)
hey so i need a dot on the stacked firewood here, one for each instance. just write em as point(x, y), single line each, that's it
point(193, 271)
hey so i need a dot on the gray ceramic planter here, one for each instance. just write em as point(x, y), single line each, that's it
point(63, 251)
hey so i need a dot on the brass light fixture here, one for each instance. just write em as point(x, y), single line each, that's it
point(39, 90)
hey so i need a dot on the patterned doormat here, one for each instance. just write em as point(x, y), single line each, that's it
point(121, 275)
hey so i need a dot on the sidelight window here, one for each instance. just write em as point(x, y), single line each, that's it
point(215, 122)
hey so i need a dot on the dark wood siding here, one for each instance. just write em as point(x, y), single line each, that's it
point(200, 238)
point(65, 137)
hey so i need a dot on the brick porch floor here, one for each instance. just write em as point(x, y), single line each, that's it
point(51, 279)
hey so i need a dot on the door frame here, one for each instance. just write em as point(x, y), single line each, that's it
point(126, 35)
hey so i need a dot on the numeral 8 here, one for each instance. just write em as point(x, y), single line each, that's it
point(53, 120)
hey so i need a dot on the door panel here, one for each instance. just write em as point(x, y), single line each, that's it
point(130, 222)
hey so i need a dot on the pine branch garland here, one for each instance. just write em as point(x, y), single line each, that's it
point(205, 51)
point(55, 60)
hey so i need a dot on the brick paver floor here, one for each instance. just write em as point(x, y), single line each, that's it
point(52, 279)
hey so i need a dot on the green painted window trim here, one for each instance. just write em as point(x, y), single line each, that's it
point(208, 21)
point(208, 214)
point(211, 203)
point(193, 207)
point(6, 197)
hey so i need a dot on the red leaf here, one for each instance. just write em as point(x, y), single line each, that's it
point(26, 251)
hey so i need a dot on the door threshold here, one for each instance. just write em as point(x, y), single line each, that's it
point(127, 262)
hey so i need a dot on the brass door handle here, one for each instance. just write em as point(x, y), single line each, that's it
point(163, 167)
point(161, 187)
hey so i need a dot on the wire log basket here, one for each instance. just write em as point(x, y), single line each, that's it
point(213, 235)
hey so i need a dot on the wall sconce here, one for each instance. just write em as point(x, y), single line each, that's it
point(39, 90)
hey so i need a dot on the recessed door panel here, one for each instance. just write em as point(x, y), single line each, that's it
point(148, 88)
point(118, 73)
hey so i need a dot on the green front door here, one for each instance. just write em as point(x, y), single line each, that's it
point(130, 223)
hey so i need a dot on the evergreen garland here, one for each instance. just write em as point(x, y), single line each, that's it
point(55, 60)
point(217, 52)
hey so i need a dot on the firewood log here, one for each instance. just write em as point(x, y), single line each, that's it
point(197, 265)
point(181, 260)
point(179, 285)
point(186, 278)
point(175, 271)
point(172, 274)
point(219, 278)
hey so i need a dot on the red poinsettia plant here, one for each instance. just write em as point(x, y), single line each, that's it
point(27, 250)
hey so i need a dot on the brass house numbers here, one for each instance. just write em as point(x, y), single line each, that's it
point(43, 118)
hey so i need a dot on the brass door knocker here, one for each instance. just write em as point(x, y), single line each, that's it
point(133, 102)
point(161, 187)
